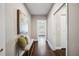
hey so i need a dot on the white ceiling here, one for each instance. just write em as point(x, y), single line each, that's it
point(39, 8)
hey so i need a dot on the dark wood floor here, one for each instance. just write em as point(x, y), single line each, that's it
point(44, 50)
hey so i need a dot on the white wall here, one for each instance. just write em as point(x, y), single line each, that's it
point(73, 42)
point(11, 25)
point(2, 29)
point(52, 26)
point(34, 25)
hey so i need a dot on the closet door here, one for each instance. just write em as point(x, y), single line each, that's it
point(61, 27)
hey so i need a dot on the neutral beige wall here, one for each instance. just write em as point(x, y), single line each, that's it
point(2, 29)
point(34, 25)
point(11, 25)
point(73, 20)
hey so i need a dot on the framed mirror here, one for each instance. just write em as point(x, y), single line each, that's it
point(22, 23)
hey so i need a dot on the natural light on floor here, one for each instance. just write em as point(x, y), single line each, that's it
point(42, 44)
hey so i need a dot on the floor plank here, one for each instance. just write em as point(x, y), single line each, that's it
point(44, 50)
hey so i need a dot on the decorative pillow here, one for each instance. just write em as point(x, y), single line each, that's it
point(26, 39)
point(22, 42)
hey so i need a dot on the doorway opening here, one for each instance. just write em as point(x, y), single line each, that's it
point(41, 31)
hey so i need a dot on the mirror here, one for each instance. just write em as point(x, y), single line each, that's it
point(22, 23)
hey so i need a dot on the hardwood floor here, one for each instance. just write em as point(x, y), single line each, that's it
point(41, 50)
point(61, 52)
point(44, 50)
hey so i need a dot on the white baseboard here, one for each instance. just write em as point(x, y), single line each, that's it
point(58, 47)
point(50, 45)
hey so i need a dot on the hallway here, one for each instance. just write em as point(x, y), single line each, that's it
point(41, 48)
point(44, 50)
point(41, 25)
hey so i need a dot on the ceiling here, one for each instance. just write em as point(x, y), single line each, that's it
point(39, 8)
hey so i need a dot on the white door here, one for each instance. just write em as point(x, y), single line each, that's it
point(63, 31)
point(63, 21)
point(2, 30)
point(61, 28)
point(58, 29)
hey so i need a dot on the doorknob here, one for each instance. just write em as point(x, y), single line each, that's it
point(1, 50)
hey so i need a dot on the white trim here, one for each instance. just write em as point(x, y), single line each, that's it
point(50, 45)
point(58, 47)
point(59, 8)
point(67, 30)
